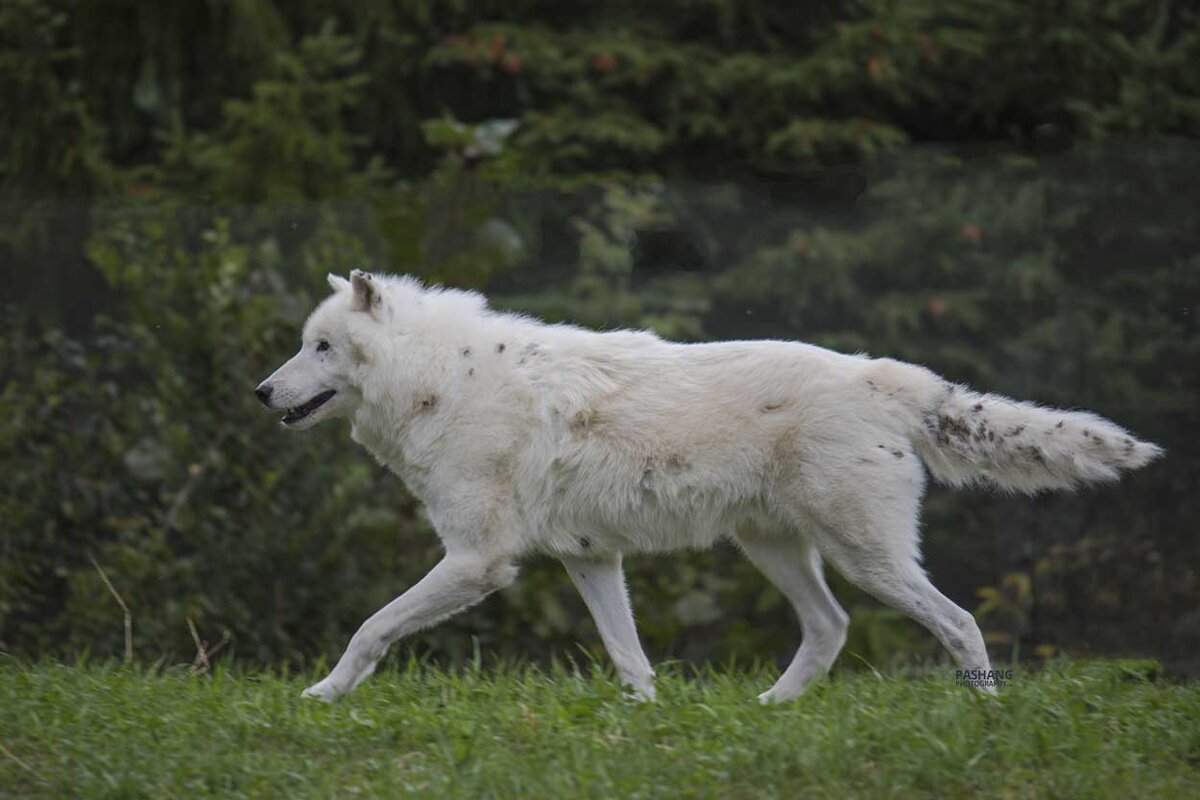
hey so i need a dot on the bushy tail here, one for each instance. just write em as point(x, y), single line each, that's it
point(965, 437)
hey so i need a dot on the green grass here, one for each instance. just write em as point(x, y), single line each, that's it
point(1098, 729)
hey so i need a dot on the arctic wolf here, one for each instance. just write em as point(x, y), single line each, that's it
point(524, 437)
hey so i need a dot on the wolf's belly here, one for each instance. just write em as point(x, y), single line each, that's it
point(576, 524)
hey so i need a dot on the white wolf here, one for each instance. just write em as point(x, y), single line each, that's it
point(524, 437)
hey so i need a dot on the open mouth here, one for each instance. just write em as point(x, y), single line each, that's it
point(298, 413)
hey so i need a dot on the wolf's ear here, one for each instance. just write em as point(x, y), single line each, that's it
point(337, 282)
point(366, 293)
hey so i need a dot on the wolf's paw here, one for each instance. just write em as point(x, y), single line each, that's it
point(641, 694)
point(325, 691)
point(776, 696)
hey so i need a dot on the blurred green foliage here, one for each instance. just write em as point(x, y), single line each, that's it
point(1003, 191)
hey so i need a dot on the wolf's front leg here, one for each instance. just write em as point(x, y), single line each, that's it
point(459, 580)
point(601, 582)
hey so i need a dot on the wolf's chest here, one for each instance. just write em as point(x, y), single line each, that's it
point(406, 449)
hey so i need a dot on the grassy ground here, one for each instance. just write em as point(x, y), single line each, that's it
point(1091, 730)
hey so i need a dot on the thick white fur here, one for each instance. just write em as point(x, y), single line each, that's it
point(524, 437)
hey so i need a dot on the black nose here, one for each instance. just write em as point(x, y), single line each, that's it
point(264, 394)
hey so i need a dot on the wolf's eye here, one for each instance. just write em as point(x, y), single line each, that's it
point(322, 346)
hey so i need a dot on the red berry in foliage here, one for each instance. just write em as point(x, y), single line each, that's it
point(970, 233)
point(604, 63)
point(862, 128)
point(928, 48)
point(512, 63)
point(802, 249)
point(935, 308)
point(876, 67)
point(877, 32)
point(496, 48)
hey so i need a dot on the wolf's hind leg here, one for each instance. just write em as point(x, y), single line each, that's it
point(601, 583)
point(900, 582)
point(793, 565)
point(864, 517)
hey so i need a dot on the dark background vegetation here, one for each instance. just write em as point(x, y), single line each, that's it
point(1004, 191)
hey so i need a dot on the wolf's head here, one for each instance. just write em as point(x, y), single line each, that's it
point(321, 381)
